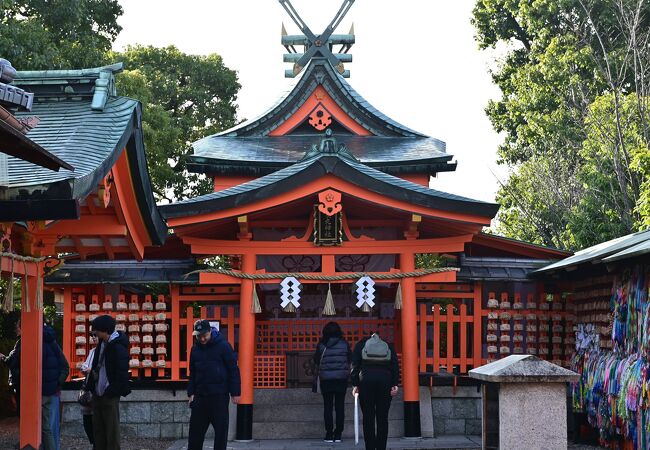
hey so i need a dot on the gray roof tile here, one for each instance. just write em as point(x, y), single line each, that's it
point(318, 165)
point(601, 251)
point(72, 131)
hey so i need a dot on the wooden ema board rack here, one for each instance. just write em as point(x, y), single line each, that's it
point(146, 324)
point(542, 326)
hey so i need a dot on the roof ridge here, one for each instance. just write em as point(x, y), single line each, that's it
point(96, 82)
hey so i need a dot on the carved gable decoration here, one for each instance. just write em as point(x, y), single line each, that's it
point(330, 202)
point(320, 118)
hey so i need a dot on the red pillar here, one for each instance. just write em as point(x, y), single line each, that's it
point(246, 351)
point(174, 291)
point(478, 324)
point(68, 325)
point(31, 361)
point(410, 350)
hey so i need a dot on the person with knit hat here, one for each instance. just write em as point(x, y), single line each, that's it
point(108, 382)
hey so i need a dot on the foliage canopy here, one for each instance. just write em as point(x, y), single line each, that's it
point(184, 97)
point(575, 92)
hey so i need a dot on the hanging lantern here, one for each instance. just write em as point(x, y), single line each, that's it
point(365, 293)
point(290, 294)
point(328, 309)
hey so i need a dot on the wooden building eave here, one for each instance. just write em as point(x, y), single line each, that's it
point(321, 172)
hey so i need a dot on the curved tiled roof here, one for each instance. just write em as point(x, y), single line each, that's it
point(248, 147)
point(321, 164)
point(320, 72)
point(88, 140)
point(264, 154)
point(88, 127)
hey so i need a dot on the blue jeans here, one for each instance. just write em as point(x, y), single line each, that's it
point(50, 415)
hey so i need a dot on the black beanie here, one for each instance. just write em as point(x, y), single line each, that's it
point(103, 323)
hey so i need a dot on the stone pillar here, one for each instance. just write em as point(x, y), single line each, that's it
point(531, 401)
point(246, 352)
point(410, 371)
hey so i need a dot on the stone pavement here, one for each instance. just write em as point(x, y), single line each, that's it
point(442, 442)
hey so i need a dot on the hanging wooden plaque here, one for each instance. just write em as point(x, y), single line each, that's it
point(328, 229)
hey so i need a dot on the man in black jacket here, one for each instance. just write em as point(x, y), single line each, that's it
point(214, 376)
point(376, 382)
point(109, 381)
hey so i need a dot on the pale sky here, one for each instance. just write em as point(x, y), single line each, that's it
point(414, 60)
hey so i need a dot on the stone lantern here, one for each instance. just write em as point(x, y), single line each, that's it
point(524, 403)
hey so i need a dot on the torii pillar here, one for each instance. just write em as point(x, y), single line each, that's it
point(31, 365)
point(410, 371)
point(246, 351)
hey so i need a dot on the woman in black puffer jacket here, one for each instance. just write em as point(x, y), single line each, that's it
point(332, 357)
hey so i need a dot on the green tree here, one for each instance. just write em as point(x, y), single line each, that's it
point(185, 98)
point(57, 34)
point(566, 77)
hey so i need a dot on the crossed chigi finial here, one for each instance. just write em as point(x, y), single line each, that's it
point(317, 46)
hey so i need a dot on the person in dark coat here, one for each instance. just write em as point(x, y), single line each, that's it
point(109, 381)
point(214, 377)
point(332, 357)
point(12, 360)
point(55, 371)
point(376, 383)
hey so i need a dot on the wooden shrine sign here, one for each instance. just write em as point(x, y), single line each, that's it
point(328, 226)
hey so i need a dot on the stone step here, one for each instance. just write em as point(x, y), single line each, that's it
point(299, 413)
point(314, 429)
point(298, 396)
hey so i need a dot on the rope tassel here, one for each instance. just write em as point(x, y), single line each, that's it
point(328, 309)
point(25, 285)
point(256, 308)
point(9, 293)
point(39, 288)
point(398, 297)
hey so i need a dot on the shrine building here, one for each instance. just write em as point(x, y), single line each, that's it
point(321, 211)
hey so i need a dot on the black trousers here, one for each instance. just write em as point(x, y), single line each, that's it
point(331, 400)
point(106, 423)
point(16, 390)
point(88, 428)
point(205, 411)
point(375, 398)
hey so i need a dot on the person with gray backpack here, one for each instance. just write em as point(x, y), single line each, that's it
point(332, 357)
point(375, 377)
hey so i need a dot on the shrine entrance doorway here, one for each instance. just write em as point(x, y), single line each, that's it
point(286, 341)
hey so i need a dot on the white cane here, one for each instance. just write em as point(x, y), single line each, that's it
point(356, 418)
